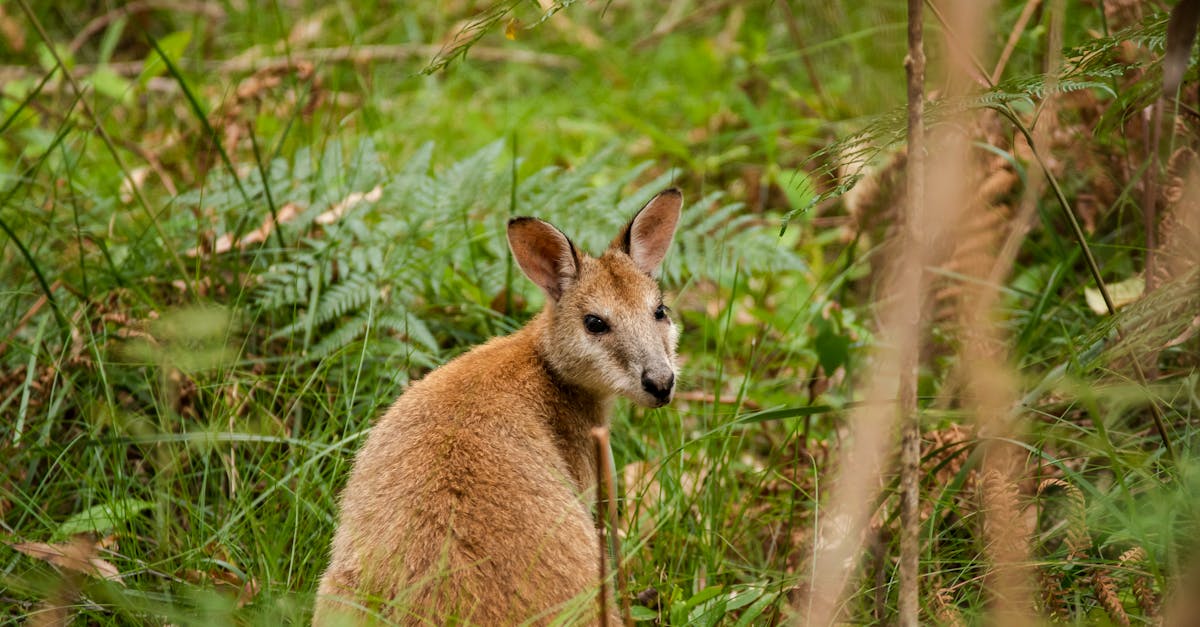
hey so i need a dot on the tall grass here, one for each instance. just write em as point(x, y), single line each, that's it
point(217, 273)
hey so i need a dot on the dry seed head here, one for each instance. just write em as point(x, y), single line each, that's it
point(1002, 523)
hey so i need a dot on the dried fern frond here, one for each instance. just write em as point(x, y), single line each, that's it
point(1106, 594)
point(1079, 540)
point(1006, 539)
point(944, 452)
point(945, 610)
point(1139, 582)
point(1053, 597)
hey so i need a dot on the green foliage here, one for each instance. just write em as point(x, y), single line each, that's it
point(1094, 65)
point(204, 413)
point(100, 519)
point(385, 268)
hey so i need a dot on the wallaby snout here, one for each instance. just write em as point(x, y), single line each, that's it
point(659, 386)
point(471, 499)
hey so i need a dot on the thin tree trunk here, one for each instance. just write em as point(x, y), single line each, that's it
point(910, 446)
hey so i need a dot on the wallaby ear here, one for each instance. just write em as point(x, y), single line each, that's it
point(545, 255)
point(648, 236)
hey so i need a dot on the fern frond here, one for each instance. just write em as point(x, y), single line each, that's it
point(433, 241)
point(1094, 65)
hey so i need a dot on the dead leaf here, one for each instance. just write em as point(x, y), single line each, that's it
point(287, 213)
point(339, 209)
point(224, 243)
point(1122, 293)
point(78, 555)
point(226, 582)
point(283, 215)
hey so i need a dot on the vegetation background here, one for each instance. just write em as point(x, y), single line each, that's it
point(232, 232)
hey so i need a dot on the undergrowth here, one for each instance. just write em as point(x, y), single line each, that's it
point(197, 336)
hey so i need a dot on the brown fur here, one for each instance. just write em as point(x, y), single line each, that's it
point(471, 499)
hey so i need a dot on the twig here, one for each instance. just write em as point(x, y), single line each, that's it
point(798, 40)
point(367, 54)
point(33, 309)
point(607, 493)
point(1014, 37)
point(701, 396)
point(345, 54)
point(600, 437)
point(1150, 193)
point(674, 18)
point(211, 10)
point(1186, 108)
point(910, 442)
point(674, 15)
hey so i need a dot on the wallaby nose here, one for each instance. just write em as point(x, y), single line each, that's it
point(659, 386)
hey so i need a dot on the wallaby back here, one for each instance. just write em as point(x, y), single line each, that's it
point(471, 499)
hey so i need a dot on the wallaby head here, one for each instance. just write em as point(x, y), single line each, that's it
point(607, 329)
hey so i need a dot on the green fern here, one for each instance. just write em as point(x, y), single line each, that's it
point(433, 244)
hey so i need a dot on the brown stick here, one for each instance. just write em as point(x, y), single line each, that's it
point(798, 40)
point(1048, 120)
point(351, 54)
point(600, 438)
point(910, 437)
point(674, 17)
point(1014, 37)
point(36, 307)
point(1150, 192)
point(606, 487)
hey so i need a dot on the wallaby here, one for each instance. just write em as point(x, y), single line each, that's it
point(471, 500)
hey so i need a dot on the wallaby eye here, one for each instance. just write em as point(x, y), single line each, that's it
point(595, 324)
point(661, 312)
